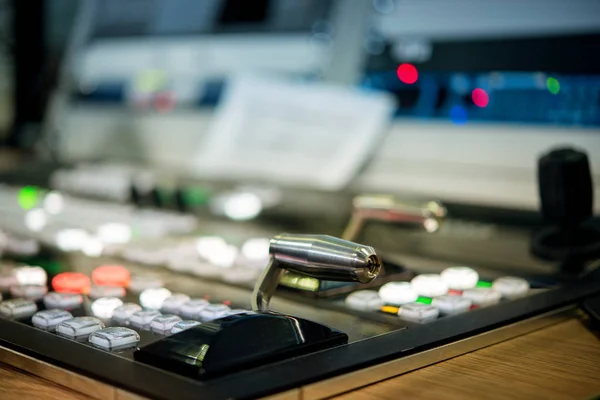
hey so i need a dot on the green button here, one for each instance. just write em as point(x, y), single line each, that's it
point(29, 197)
point(483, 284)
point(196, 196)
point(424, 300)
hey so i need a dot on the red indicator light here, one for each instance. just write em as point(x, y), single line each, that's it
point(453, 292)
point(71, 282)
point(480, 97)
point(227, 302)
point(207, 297)
point(111, 275)
point(407, 73)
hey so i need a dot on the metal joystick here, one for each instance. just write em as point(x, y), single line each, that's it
point(245, 340)
point(388, 208)
point(318, 256)
point(428, 215)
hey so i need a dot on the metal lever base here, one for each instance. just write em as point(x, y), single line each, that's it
point(266, 286)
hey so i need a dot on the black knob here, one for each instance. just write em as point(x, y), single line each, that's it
point(570, 234)
point(565, 185)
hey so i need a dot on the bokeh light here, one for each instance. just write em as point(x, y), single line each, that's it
point(553, 85)
point(480, 97)
point(458, 115)
point(29, 196)
point(407, 73)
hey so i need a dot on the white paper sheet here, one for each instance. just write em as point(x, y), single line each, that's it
point(293, 133)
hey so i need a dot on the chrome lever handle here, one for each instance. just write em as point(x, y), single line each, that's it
point(388, 208)
point(318, 256)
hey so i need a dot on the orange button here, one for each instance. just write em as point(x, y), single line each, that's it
point(111, 275)
point(71, 282)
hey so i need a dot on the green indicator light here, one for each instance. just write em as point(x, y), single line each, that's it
point(197, 196)
point(424, 300)
point(484, 284)
point(553, 85)
point(29, 196)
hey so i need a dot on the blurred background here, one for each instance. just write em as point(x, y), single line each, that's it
point(481, 88)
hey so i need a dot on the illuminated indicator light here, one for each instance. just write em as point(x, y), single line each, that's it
point(553, 85)
point(242, 206)
point(208, 244)
point(256, 249)
point(390, 309)
point(28, 198)
point(150, 81)
point(223, 256)
point(104, 307)
point(424, 300)
point(460, 278)
point(397, 293)
point(480, 97)
point(35, 220)
point(153, 298)
point(407, 73)
point(111, 275)
point(484, 284)
point(92, 247)
point(70, 240)
point(196, 195)
point(453, 292)
point(30, 276)
point(54, 203)
point(458, 115)
point(227, 302)
point(114, 233)
point(429, 285)
point(71, 282)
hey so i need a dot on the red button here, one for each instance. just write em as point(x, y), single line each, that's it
point(71, 282)
point(111, 275)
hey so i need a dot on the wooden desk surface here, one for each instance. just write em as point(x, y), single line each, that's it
point(558, 362)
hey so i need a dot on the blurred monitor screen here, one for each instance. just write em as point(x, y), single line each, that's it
point(115, 18)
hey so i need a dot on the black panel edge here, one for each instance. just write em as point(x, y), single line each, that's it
point(288, 374)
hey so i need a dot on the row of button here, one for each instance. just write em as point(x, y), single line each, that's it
point(427, 296)
point(132, 315)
